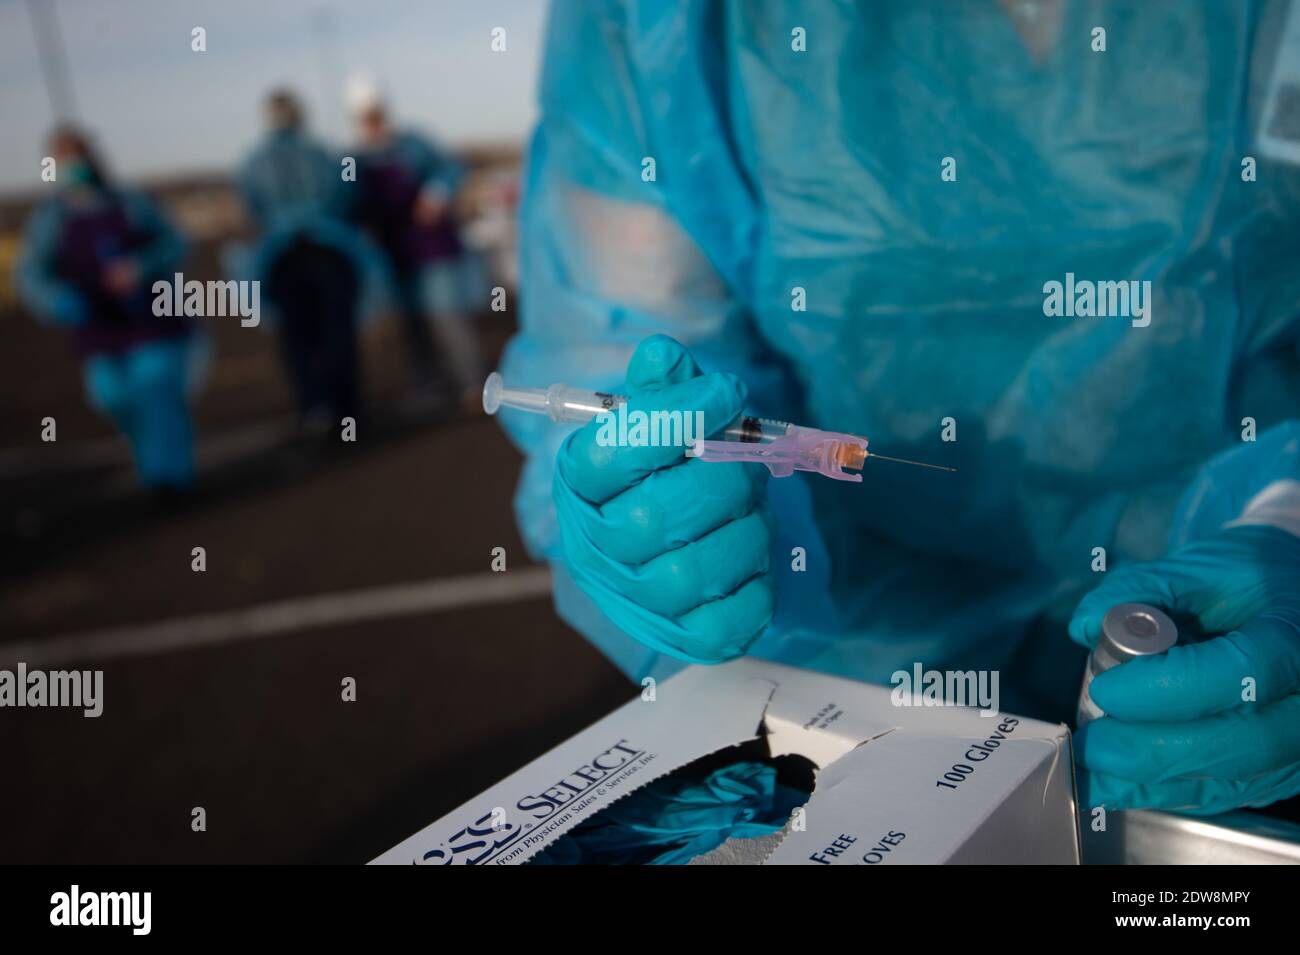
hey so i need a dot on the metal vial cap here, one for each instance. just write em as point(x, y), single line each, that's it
point(1136, 630)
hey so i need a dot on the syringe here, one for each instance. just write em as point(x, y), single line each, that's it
point(781, 447)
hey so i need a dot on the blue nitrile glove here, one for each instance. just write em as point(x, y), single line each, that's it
point(678, 817)
point(1177, 734)
point(674, 550)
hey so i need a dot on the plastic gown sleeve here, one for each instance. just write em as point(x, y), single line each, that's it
point(166, 248)
point(248, 184)
point(41, 290)
point(437, 170)
point(292, 189)
point(54, 300)
point(1255, 483)
point(606, 263)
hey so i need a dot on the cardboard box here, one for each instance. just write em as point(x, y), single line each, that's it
point(895, 784)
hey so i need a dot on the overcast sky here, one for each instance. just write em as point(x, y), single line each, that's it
point(157, 107)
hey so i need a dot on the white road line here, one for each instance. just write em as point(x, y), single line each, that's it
point(226, 445)
point(285, 616)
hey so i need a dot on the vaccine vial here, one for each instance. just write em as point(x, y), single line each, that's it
point(1127, 631)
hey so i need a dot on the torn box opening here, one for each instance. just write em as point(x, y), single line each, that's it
point(740, 796)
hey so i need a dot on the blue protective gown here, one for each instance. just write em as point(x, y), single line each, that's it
point(138, 368)
point(430, 273)
point(295, 190)
point(693, 171)
point(391, 178)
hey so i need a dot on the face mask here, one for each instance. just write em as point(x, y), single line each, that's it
point(76, 172)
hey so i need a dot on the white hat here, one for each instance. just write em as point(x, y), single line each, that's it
point(362, 93)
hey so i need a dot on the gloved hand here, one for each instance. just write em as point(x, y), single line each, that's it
point(1177, 733)
point(674, 550)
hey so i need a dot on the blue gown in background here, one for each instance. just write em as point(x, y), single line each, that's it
point(138, 368)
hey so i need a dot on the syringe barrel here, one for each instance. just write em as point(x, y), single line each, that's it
point(559, 402)
point(578, 405)
point(562, 403)
point(749, 429)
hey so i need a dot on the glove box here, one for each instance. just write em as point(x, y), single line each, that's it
point(892, 785)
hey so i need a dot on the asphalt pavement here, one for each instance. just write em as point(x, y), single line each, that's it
point(461, 675)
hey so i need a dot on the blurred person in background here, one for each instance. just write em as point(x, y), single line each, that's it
point(309, 259)
point(406, 200)
point(91, 254)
